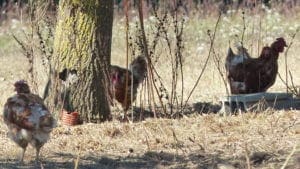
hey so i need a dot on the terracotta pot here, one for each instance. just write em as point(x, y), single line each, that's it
point(69, 118)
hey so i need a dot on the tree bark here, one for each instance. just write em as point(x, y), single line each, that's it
point(83, 43)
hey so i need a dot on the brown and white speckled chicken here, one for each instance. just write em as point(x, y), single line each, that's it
point(136, 75)
point(28, 119)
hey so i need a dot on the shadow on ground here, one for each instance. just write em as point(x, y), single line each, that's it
point(149, 160)
point(140, 114)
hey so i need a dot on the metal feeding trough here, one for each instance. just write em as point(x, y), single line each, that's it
point(258, 101)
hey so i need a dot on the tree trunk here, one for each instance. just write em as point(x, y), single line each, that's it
point(83, 43)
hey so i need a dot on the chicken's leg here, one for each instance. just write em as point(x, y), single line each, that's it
point(22, 154)
point(37, 155)
point(125, 117)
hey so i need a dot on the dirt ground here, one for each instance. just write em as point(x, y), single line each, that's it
point(201, 141)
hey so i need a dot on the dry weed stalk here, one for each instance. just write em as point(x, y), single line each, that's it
point(293, 89)
point(76, 162)
point(150, 78)
point(289, 157)
point(176, 61)
point(174, 100)
point(127, 50)
point(244, 29)
point(206, 61)
point(219, 65)
point(37, 42)
point(178, 143)
point(247, 152)
point(178, 65)
point(147, 138)
point(176, 58)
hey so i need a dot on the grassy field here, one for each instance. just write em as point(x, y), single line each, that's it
point(261, 140)
point(260, 30)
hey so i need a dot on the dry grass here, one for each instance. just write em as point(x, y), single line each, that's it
point(192, 142)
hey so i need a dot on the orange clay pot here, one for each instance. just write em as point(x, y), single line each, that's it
point(69, 118)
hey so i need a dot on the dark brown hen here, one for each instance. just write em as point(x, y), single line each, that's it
point(28, 119)
point(136, 75)
point(252, 75)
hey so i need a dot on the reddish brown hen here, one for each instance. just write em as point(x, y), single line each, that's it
point(252, 75)
point(136, 75)
point(27, 118)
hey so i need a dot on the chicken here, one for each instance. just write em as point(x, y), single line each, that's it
point(68, 76)
point(252, 75)
point(233, 59)
point(28, 119)
point(136, 75)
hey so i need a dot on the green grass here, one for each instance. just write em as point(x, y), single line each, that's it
point(7, 44)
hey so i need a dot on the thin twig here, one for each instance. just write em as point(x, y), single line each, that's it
point(286, 67)
point(206, 61)
point(289, 157)
point(146, 53)
point(244, 29)
point(217, 61)
point(295, 91)
point(286, 61)
point(126, 77)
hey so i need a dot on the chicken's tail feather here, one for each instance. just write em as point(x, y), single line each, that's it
point(230, 55)
point(138, 67)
